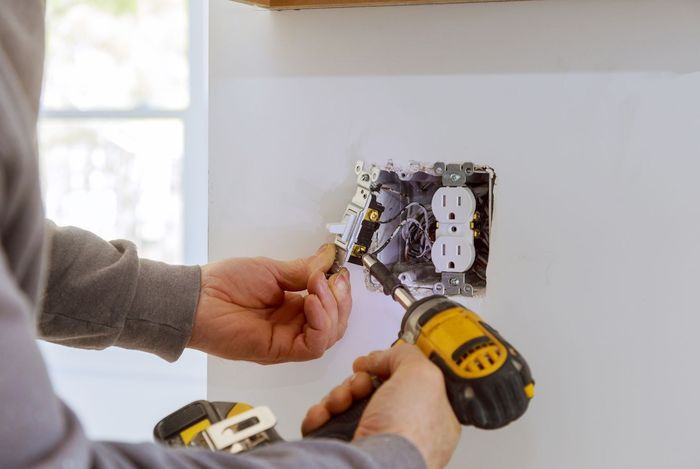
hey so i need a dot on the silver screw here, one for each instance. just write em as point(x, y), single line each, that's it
point(454, 281)
point(454, 177)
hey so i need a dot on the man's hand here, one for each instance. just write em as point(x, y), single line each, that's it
point(412, 402)
point(247, 309)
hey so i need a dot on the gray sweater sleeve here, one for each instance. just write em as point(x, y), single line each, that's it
point(375, 452)
point(101, 294)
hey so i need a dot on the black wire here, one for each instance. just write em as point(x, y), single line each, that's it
point(386, 243)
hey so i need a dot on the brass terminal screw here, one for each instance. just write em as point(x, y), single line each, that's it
point(476, 216)
point(373, 216)
point(477, 233)
point(358, 250)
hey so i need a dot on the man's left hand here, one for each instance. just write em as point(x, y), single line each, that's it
point(250, 309)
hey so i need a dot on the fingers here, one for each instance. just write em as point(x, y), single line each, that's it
point(334, 294)
point(294, 275)
point(386, 362)
point(327, 308)
point(340, 286)
point(319, 286)
point(316, 329)
point(358, 386)
point(316, 416)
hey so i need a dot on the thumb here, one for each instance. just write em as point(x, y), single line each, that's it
point(294, 275)
point(323, 259)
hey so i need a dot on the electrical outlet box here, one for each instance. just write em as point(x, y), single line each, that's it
point(430, 223)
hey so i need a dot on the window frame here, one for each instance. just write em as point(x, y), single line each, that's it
point(194, 121)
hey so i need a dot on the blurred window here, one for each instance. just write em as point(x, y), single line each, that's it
point(114, 103)
point(118, 116)
point(124, 173)
point(116, 54)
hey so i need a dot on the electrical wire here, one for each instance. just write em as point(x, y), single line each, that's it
point(400, 212)
point(392, 236)
point(415, 231)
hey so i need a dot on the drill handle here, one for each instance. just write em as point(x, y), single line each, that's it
point(343, 426)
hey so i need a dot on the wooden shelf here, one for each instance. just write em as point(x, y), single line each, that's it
point(300, 4)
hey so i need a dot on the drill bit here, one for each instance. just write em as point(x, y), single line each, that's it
point(390, 283)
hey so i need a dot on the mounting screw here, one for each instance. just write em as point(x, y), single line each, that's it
point(365, 177)
point(454, 177)
point(454, 281)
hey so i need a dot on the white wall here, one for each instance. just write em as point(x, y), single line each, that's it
point(590, 113)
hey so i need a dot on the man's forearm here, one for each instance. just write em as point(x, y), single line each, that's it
point(100, 293)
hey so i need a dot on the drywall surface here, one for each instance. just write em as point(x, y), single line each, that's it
point(590, 113)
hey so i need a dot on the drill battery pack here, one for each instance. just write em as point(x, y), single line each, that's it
point(233, 427)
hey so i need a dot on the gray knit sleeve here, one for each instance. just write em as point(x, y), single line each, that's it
point(374, 452)
point(100, 294)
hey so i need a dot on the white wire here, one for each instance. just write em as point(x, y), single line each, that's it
point(405, 228)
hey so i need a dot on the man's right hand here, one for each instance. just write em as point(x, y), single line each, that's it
point(411, 402)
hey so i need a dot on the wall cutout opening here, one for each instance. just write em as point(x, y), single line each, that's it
point(430, 223)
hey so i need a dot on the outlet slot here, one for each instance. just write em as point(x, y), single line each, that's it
point(453, 254)
point(453, 205)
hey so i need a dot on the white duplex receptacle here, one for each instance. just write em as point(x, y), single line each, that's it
point(428, 223)
point(453, 250)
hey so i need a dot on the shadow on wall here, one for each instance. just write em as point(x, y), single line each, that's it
point(547, 36)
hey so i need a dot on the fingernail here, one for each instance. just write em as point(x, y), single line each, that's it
point(341, 284)
point(353, 377)
point(345, 273)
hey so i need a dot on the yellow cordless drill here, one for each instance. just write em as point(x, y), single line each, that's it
point(488, 382)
